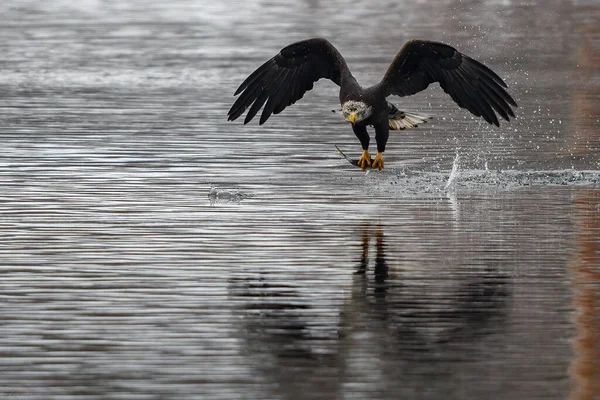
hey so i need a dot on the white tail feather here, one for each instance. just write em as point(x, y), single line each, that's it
point(401, 120)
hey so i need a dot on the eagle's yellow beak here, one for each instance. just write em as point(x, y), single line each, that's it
point(351, 118)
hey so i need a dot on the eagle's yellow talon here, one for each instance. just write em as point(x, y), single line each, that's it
point(365, 160)
point(378, 161)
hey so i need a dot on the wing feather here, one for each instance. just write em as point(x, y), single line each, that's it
point(461, 91)
point(263, 95)
point(502, 94)
point(497, 102)
point(471, 84)
point(483, 69)
point(255, 75)
point(459, 94)
point(275, 98)
point(285, 78)
point(290, 96)
point(473, 96)
point(286, 92)
point(249, 96)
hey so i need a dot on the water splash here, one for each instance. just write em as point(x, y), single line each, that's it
point(454, 172)
point(217, 195)
point(425, 183)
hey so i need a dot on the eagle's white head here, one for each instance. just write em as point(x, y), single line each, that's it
point(355, 111)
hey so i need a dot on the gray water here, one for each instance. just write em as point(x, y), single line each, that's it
point(151, 250)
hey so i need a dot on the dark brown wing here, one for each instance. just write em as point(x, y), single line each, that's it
point(285, 78)
point(471, 84)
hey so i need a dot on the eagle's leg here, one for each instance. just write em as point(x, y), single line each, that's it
point(382, 131)
point(362, 135)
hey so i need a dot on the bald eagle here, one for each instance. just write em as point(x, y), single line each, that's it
point(283, 80)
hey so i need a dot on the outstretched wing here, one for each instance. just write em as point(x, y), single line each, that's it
point(285, 78)
point(471, 84)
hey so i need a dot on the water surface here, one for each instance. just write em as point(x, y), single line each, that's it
point(300, 276)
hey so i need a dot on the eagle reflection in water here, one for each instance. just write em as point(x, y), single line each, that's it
point(426, 310)
point(299, 340)
point(421, 312)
